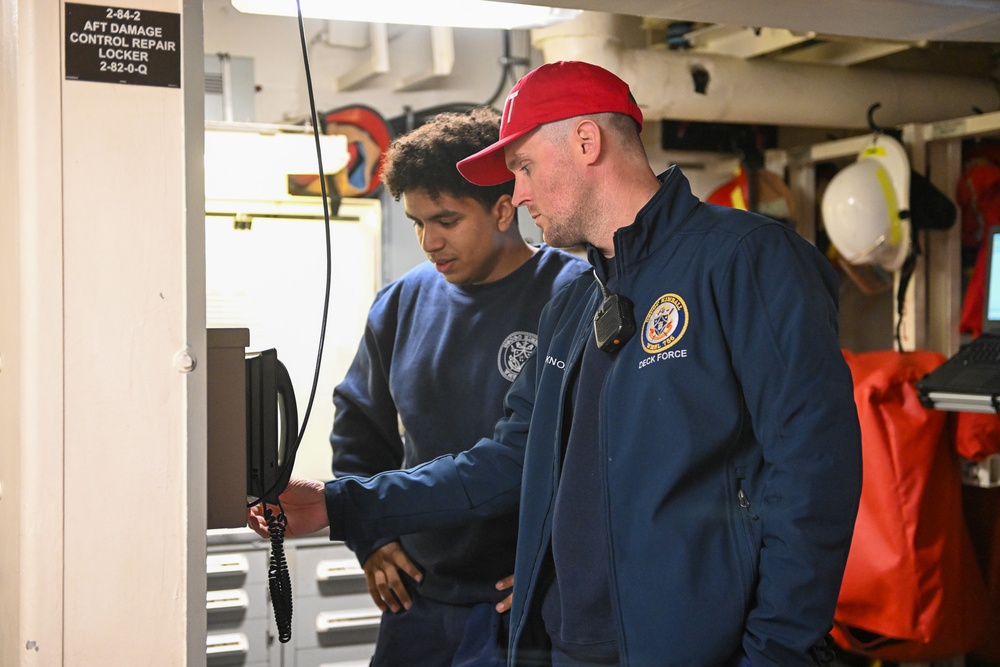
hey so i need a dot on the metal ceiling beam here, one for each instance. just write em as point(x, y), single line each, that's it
point(744, 43)
point(844, 53)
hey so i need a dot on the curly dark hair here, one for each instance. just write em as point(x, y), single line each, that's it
point(425, 158)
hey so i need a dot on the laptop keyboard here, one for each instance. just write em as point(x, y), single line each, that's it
point(982, 352)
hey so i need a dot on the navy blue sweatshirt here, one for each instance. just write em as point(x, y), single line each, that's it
point(435, 362)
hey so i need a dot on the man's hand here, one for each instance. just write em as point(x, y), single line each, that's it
point(304, 503)
point(505, 584)
point(384, 583)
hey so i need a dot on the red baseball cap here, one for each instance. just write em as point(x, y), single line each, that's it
point(551, 92)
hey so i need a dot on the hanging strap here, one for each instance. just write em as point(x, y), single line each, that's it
point(905, 273)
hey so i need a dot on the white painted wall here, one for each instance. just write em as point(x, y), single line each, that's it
point(31, 335)
point(103, 438)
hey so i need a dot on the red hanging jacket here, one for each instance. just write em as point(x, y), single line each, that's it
point(912, 590)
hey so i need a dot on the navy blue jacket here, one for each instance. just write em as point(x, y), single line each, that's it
point(732, 450)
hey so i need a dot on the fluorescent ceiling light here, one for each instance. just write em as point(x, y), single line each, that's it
point(454, 13)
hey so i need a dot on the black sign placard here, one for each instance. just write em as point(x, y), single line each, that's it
point(117, 45)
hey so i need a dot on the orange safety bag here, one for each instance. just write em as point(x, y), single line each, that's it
point(912, 589)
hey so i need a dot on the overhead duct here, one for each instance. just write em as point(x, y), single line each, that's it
point(701, 87)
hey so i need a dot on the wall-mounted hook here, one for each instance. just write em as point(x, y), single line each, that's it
point(871, 118)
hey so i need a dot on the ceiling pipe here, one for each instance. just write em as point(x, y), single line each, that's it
point(666, 83)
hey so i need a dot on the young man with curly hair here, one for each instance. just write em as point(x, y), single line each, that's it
point(441, 347)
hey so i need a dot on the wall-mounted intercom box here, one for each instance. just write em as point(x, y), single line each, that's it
point(227, 427)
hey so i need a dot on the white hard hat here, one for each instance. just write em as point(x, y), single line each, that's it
point(893, 157)
point(865, 206)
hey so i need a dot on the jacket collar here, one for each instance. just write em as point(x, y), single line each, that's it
point(655, 223)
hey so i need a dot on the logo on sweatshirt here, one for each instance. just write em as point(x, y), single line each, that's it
point(514, 352)
point(665, 323)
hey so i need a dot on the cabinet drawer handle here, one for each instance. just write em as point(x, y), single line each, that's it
point(345, 568)
point(227, 644)
point(223, 564)
point(229, 599)
point(333, 621)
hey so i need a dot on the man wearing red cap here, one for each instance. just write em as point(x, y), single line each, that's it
point(684, 443)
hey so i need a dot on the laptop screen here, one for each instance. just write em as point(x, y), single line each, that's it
point(992, 319)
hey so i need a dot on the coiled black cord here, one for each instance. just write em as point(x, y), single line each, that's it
point(279, 581)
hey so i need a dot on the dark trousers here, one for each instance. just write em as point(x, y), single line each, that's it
point(435, 634)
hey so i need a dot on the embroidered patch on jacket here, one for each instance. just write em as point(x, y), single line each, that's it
point(665, 323)
point(514, 351)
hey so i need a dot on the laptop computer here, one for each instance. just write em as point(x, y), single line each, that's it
point(970, 380)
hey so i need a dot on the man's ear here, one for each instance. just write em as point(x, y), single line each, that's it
point(587, 141)
point(504, 211)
